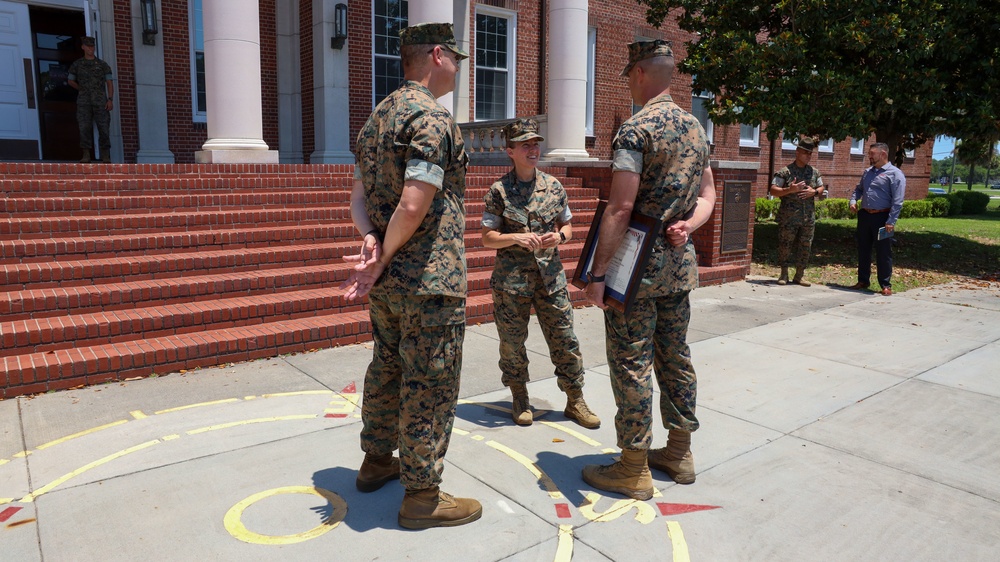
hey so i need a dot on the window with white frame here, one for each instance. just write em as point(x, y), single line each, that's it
point(591, 66)
point(857, 146)
point(495, 35)
point(750, 135)
point(825, 145)
point(789, 141)
point(387, 73)
point(199, 103)
point(700, 102)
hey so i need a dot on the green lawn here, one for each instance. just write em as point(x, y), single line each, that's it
point(927, 251)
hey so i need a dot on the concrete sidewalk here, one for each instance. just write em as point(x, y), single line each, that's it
point(836, 425)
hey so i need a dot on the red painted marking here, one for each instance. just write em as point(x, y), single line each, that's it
point(8, 513)
point(336, 415)
point(562, 511)
point(678, 508)
point(350, 389)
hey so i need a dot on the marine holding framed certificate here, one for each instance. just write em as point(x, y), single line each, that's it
point(627, 265)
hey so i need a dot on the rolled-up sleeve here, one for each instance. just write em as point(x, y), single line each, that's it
point(492, 221)
point(627, 161)
point(421, 170)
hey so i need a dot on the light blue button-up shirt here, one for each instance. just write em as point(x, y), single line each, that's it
point(882, 188)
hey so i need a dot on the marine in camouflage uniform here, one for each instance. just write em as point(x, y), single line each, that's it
point(660, 156)
point(410, 147)
point(525, 220)
point(798, 184)
point(92, 78)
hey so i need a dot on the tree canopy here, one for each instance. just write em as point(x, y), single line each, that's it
point(906, 70)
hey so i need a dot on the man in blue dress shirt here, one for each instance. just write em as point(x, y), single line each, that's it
point(880, 195)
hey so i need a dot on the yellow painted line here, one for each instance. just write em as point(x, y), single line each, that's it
point(249, 397)
point(458, 431)
point(299, 393)
point(564, 552)
point(537, 414)
point(138, 414)
point(22, 454)
point(352, 398)
point(677, 541)
point(569, 431)
point(199, 405)
point(171, 437)
point(610, 451)
point(477, 437)
point(6, 500)
point(546, 482)
point(4, 461)
point(233, 520)
point(81, 434)
point(49, 487)
point(248, 422)
point(644, 512)
point(657, 493)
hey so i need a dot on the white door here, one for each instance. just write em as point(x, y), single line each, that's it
point(19, 136)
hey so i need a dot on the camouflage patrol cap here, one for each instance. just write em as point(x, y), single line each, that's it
point(432, 34)
point(522, 129)
point(642, 50)
point(807, 143)
point(89, 41)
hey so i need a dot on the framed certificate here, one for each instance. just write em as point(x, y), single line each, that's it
point(626, 267)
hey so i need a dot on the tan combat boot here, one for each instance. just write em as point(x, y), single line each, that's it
point(520, 409)
point(423, 509)
point(675, 459)
point(376, 471)
point(577, 409)
point(86, 156)
point(783, 278)
point(798, 280)
point(629, 476)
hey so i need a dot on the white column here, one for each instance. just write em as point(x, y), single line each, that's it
point(331, 101)
point(567, 87)
point(232, 85)
point(150, 95)
point(462, 30)
point(289, 83)
point(425, 11)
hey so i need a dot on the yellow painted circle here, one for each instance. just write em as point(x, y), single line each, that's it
point(234, 517)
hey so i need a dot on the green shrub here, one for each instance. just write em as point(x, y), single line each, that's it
point(973, 202)
point(917, 209)
point(833, 209)
point(955, 202)
point(939, 205)
point(766, 209)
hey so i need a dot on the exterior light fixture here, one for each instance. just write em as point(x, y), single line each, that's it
point(339, 27)
point(149, 29)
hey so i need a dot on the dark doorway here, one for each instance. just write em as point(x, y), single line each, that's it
point(55, 36)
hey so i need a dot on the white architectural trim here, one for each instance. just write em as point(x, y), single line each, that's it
point(511, 17)
point(567, 81)
point(289, 83)
point(331, 98)
point(150, 97)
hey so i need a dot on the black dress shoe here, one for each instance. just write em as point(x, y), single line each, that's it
point(859, 286)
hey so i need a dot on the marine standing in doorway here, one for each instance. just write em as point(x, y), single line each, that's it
point(92, 77)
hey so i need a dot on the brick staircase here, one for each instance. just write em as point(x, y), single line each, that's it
point(109, 272)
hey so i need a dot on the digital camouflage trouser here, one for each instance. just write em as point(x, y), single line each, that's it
point(795, 243)
point(652, 338)
point(411, 387)
point(555, 316)
point(86, 116)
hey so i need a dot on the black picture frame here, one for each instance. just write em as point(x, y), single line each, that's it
point(632, 255)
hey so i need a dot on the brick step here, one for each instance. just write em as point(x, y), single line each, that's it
point(17, 277)
point(69, 273)
point(99, 202)
point(28, 249)
point(152, 203)
point(127, 224)
point(36, 303)
point(88, 365)
point(62, 332)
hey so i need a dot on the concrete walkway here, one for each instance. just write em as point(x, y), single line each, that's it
point(836, 425)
